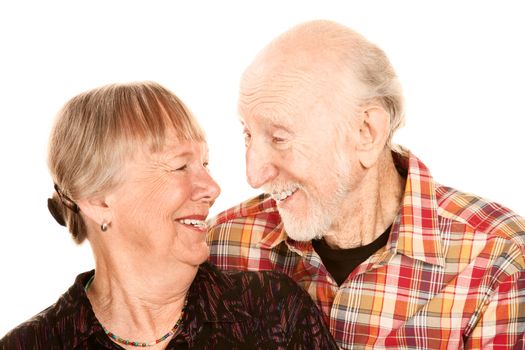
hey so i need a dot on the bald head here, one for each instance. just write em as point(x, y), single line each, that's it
point(310, 43)
point(314, 50)
point(328, 57)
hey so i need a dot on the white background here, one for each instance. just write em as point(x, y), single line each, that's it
point(461, 64)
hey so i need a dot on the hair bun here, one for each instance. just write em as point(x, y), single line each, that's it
point(56, 211)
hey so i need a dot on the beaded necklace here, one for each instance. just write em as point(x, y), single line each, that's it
point(138, 343)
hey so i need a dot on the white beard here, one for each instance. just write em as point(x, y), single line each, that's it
point(321, 212)
point(318, 220)
point(312, 226)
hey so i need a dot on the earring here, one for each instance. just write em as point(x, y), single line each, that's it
point(104, 226)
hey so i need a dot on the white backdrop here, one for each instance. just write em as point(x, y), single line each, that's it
point(461, 65)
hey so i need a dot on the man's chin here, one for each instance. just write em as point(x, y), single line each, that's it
point(298, 231)
point(302, 236)
point(312, 223)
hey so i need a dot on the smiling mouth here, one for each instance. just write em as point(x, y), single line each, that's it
point(280, 196)
point(198, 224)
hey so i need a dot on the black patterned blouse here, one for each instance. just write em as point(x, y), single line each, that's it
point(242, 310)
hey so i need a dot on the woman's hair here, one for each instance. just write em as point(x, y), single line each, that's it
point(96, 131)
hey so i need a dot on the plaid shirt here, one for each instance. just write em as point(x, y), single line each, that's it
point(452, 274)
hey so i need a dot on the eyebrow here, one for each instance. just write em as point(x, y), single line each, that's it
point(283, 127)
point(179, 155)
point(183, 154)
point(272, 122)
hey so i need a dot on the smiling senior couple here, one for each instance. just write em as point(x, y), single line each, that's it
point(391, 258)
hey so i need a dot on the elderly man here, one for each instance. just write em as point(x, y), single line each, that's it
point(392, 258)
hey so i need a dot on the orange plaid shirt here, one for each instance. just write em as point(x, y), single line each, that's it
point(452, 274)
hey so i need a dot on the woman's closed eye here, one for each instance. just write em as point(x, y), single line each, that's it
point(182, 168)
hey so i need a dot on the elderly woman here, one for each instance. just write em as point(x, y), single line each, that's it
point(129, 164)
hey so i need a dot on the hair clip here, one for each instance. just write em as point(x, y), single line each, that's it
point(67, 201)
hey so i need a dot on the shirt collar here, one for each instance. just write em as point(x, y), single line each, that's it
point(415, 231)
point(274, 237)
point(82, 323)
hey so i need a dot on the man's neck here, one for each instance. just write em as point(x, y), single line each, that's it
point(370, 209)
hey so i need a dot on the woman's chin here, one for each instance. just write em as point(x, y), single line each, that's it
point(194, 256)
point(201, 256)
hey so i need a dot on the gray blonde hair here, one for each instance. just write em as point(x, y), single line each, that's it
point(96, 131)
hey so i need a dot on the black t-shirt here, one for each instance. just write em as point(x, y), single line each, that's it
point(341, 262)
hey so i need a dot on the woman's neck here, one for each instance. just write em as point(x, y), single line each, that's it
point(138, 299)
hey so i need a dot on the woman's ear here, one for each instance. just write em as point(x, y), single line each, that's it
point(96, 209)
point(374, 129)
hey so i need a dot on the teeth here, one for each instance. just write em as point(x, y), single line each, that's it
point(196, 223)
point(282, 195)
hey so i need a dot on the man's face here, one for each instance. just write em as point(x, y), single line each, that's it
point(297, 150)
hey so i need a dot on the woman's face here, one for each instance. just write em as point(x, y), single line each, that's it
point(160, 207)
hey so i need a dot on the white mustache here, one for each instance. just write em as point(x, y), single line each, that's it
point(282, 187)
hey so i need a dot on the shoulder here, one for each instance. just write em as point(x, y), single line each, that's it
point(245, 281)
point(280, 304)
point(259, 286)
point(259, 310)
point(34, 333)
point(481, 215)
point(241, 293)
point(263, 279)
point(273, 289)
point(50, 326)
point(476, 214)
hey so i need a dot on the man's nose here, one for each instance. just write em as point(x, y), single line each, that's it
point(260, 167)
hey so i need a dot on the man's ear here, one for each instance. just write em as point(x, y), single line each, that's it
point(96, 209)
point(374, 128)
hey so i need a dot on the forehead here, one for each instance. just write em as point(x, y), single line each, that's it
point(173, 147)
point(268, 119)
point(279, 98)
point(176, 147)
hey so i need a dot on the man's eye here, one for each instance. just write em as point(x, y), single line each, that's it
point(205, 164)
point(182, 168)
point(278, 140)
